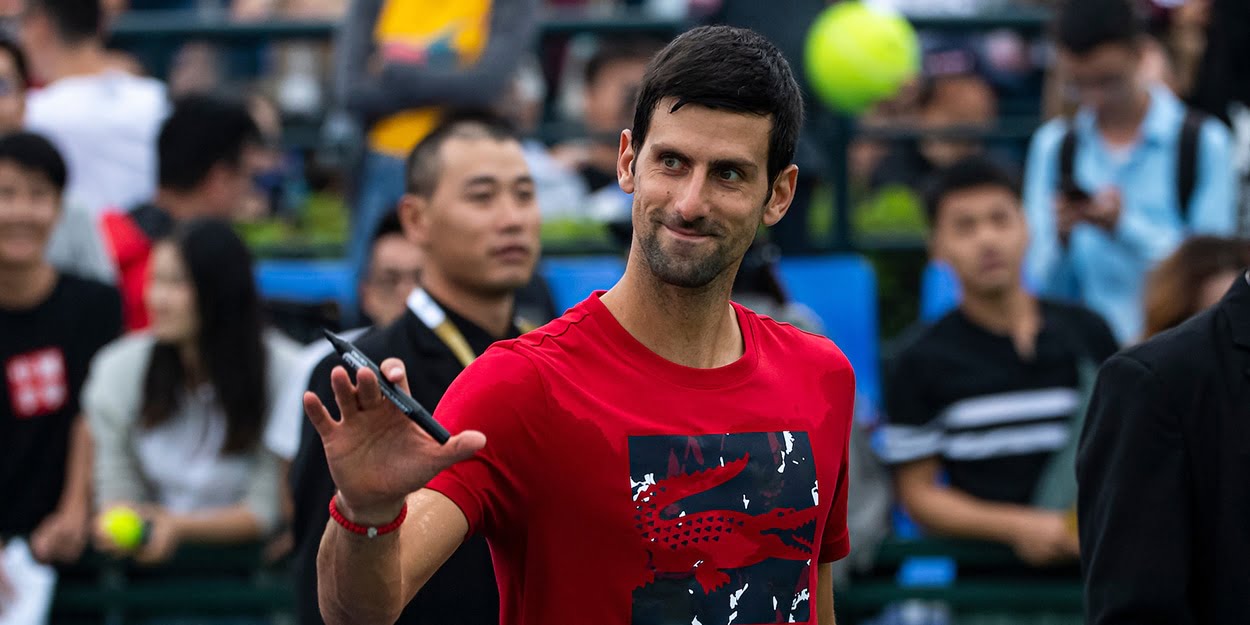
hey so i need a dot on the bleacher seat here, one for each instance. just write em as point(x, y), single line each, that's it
point(306, 281)
point(842, 290)
point(572, 278)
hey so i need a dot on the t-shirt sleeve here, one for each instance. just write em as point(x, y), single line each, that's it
point(836, 542)
point(911, 431)
point(501, 395)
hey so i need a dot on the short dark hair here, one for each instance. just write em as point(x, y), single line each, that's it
point(966, 173)
point(729, 68)
point(1083, 25)
point(616, 49)
point(203, 131)
point(14, 51)
point(32, 152)
point(424, 165)
point(75, 21)
point(389, 225)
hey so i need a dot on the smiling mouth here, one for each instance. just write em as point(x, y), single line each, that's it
point(686, 234)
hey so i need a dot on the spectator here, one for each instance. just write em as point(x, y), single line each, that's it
point(611, 78)
point(177, 413)
point(75, 246)
point(988, 393)
point(397, 62)
point(1124, 200)
point(394, 271)
point(53, 324)
point(1194, 278)
point(951, 97)
point(470, 198)
point(205, 170)
point(103, 119)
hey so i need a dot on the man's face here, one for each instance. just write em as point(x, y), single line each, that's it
point(701, 191)
point(981, 233)
point(29, 206)
point(12, 96)
point(1105, 79)
point(394, 271)
point(480, 226)
point(606, 107)
point(228, 187)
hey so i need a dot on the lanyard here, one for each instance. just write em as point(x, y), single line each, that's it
point(432, 315)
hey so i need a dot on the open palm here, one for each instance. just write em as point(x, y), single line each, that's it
point(376, 454)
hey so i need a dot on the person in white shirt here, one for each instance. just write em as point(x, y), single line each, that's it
point(104, 120)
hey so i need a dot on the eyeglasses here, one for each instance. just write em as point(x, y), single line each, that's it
point(393, 279)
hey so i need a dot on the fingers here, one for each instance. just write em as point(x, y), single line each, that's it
point(317, 414)
point(393, 369)
point(463, 446)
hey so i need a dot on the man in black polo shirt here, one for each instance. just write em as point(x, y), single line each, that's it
point(51, 324)
point(987, 394)
point(470, 207)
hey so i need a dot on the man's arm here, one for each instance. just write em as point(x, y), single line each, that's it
point(1048, 263)
point(370, 580)
point(62, 536)
point(1037, 536)
point(824, 596)
point(1134, 501)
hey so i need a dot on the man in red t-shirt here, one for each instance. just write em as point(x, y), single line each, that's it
point(657, 454)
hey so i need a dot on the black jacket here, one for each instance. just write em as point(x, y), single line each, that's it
point(1164, 472)
point(463, 591)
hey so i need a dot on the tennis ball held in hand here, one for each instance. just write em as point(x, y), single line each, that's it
point(125, 527)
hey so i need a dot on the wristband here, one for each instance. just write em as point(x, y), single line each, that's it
point(370, 532)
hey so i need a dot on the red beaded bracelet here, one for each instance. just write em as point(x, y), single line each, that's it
point(371, 532)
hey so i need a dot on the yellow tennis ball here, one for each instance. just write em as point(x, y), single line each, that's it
point(857, 55)
point(124, 526)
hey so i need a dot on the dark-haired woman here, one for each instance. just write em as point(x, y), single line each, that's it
point(177, 412)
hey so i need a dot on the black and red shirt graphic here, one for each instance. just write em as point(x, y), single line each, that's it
point(37, 381)
point(729, 524)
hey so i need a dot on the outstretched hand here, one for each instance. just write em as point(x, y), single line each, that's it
point(376, 454)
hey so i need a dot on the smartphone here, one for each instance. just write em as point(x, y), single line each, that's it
point(1073, 193)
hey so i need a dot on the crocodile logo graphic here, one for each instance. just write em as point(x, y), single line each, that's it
point(729, 524)
point(706, 543)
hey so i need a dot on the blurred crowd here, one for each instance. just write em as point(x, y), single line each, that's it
point(142, 370)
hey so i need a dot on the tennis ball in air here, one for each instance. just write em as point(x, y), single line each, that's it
point(124, 526)
point(858, 55)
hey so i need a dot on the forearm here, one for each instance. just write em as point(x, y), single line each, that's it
point(956, 514)
point(824, 608)
point(76, 494)
point(234, 524)
point(359, 579)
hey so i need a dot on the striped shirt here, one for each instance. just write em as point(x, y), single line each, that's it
point(963, 394)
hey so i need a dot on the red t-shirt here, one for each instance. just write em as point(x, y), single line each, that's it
point(619, 487)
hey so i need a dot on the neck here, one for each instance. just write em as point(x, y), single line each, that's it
point(180, 205)
point(190, 355)
point(1013, 313)
point(26, 287)
point(692, 327)
point(1126, 119)
point(85, 59)
point(490, 312)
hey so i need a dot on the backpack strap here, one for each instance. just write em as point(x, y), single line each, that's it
point(1067, 159)
point(1187, 161)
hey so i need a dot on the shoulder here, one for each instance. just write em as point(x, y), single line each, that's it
point(557, 336)
point(283, 352)
point(1069, 313)
point(1048, 137)
point(1214, 135)
point(930, 341)
point(124, 354)
point(1183, 352)
point(87, 293)
point(794, 345)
